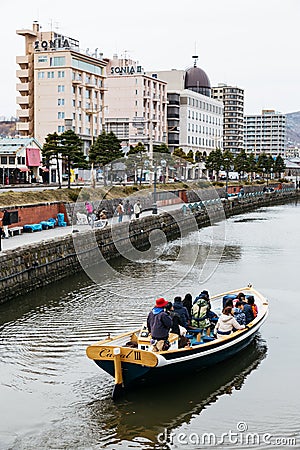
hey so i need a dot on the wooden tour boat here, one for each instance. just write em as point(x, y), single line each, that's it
point(129, 358)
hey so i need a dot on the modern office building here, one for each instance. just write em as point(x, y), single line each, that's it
point(233, 121)
point(136, 104)
point(60, 86)
point(265, 133)
point(195, 120)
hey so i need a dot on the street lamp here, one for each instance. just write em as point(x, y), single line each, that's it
point(226, 161)
point(154, 206)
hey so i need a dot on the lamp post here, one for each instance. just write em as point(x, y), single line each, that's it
point(226, 161)
point(154, 206)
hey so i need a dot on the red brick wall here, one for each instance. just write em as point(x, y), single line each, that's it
point(36, 213)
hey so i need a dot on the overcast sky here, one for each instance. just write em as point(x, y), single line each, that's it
point(252, 44)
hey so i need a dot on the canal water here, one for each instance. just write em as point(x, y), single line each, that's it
point(54, 397)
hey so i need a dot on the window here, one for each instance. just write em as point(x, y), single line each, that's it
point(3, 159)
point(41, 75)
point(61, 101)
point(42, 59)
point(61, 74)
point(11, 160)
point(60, 115)
point(57, 61)
point(60, 128)
point(50, 74)
point(61, 88)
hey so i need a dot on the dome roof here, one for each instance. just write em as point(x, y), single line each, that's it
point(197, 81)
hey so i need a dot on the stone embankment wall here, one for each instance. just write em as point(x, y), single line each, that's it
point(36, 265)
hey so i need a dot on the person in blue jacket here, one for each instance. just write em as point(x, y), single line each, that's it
point(159, 324)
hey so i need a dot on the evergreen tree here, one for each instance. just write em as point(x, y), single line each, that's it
point(251, 165)
point(162, 148)
point(72, 153)
point(52, 150)
point(105, 150)
point(198, 156)
point(241, 164)
point(190, 156)
point(279, 166)
point(262, 163)
point(214, 161)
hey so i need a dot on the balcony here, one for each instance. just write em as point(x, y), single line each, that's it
point(76, 81)
point(22, 60)
point(23, 100)
point(23, 87)
point(23, 113)
point(22, 126)
point(23, 73)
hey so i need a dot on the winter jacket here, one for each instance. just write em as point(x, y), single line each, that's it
point(248, 313)
point(239, 316)
point(200, 314)
point(137, 208)
point(159, 323)
point(226, 324)
point(183, 313)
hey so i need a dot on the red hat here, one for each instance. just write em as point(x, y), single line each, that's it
point(161, 303)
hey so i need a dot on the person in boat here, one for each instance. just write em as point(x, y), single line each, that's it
point(239, 314)
point(159, 323)
point(200, 310)
point(177, 325)
point(182, 312)
point(227, 323)
point(247, 308)
point(251, 302)
point(188, 303)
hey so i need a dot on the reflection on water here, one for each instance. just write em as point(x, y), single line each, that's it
point(148, 410)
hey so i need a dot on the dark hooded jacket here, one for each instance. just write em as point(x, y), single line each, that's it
point(159, 323)
point(182, 312)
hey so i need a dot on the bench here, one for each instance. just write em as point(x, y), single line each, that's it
point(15, 230)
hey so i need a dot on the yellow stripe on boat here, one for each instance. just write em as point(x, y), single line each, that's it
point(130, 355)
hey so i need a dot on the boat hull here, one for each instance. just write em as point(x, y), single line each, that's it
point(178, 363)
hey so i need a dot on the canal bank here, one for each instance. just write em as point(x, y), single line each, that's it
point(39, 264)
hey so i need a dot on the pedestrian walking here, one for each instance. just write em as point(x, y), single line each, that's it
point(120, 212)
point(5, 223)
point(137, 209)
point(128, 209)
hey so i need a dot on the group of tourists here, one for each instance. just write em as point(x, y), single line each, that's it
point(128, 209)
point(185, 316)
point(99, 218)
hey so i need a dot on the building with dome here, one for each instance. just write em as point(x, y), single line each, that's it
point(195, 119)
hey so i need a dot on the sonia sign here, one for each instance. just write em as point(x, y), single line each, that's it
point(125, 70)
point(55, 43)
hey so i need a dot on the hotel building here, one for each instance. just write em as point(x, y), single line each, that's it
point(136, 104)
point(195, 120)
point(266, 133)
point(60, 87)
point(233, 121)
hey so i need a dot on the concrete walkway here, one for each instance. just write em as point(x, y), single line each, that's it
point(44, 235)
